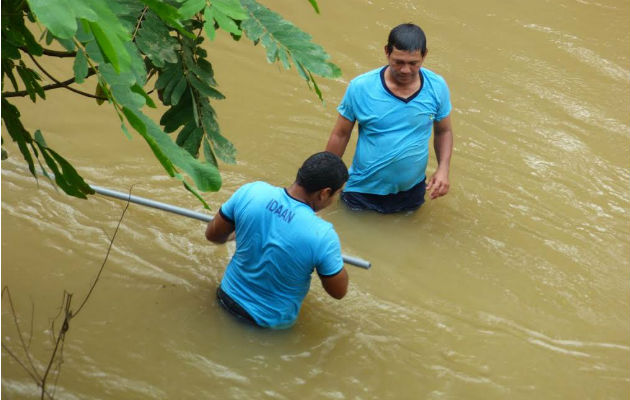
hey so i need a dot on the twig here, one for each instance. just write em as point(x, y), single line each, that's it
point(109, 249)
point(140, 19)
point(30, 336)
point(67, 86)
point(17, 359)
point(54, 53)
point(60, 338)
point(19, 331)
point(64, 84)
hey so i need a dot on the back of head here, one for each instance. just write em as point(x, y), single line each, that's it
point(322, 170)
point(407, 37)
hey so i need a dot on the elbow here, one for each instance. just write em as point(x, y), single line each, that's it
point(339, 295)
point(211, 236)
point(214, 239)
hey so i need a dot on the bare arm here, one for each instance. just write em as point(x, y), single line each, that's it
point(336, 285)
point(219, 230)
point(340, 136)
point(439, 184)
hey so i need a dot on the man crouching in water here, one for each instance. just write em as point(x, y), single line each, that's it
point(279, 242)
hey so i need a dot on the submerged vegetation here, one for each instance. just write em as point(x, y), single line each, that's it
point(141, 52)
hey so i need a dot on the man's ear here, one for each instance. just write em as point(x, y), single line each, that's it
point(325, 193)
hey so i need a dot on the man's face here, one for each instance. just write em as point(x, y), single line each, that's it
point(404, 65)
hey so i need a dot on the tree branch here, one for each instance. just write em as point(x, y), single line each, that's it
point(67, 86)
point(54, 53)
point(63, 84)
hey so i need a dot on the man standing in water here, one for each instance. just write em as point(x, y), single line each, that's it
point(279, 242)
point(396, 106)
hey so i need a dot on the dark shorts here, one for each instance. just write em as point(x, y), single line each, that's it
point(407, 200)
point(233, 307)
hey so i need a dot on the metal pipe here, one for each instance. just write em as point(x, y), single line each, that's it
point(358, 262)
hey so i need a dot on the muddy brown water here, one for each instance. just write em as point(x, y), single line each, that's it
point(515, 285)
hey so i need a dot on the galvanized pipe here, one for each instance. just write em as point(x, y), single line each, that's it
point(358, 262)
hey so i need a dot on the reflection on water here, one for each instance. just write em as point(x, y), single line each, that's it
point(513, 286)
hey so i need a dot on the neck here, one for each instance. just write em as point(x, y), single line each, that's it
point(298, 192)
point(396, 86)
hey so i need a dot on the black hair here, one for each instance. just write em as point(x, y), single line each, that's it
point(407, 37)
point(322, 170)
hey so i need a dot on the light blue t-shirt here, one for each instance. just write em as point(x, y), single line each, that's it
point(393, 145)
point(280, 241)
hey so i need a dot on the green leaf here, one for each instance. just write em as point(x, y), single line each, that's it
point(167, 94)
point(121, 86)
point(205, 176)
point(168, 14)
point(223, 148)
point(7, 69)
point(194, 192)
point(315, 6)
point(193, 141)
point(178, 91)
point(110, 47)
point(231, 8)
point(135, 121)
point(154, 40)
point(57, 15)
point(185, 133)
point(191, 7)
point(139, 90)
point(59, 179)
point(179, 114)
point(315, 86)
point(80, 66)
point(68, 179)
point(167, 74)
point(208, 24)
point(226, 23)
point(284, 42)
point(204, 88)
point(72, 176)
point(30, 78)
point(11, 118)
point(100, 93)
point(139, 124)
point(39, 138)
point(208, 153)
point(126, 131)
point(203, 69)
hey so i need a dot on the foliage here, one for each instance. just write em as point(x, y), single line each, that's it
point(125, 43)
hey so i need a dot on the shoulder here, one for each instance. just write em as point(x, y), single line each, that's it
point(253, 189)
point(367, 78)
point(258, 185)
point(433, 77)
point(324, 230)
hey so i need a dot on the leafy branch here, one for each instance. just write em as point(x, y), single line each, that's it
point(126, 42)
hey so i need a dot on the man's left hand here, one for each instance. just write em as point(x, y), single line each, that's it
point(438, 184)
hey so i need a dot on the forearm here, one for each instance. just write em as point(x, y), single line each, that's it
point(443, 145)
point(340, 136)
point(337, 144)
